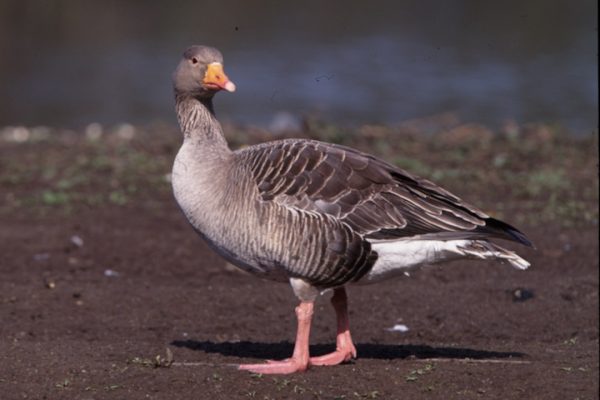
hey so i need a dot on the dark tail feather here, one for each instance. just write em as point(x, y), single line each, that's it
point(505, 231)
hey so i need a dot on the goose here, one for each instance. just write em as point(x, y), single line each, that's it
point(317, 215)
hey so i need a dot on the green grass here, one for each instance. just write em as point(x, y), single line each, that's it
point(49, 176)
point(535, 181)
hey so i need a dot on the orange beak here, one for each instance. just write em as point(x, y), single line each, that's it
point(215, 78)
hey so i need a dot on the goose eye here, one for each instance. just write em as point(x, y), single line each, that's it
point(194, 60)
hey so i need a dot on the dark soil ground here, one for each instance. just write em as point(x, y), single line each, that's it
point(107, 293)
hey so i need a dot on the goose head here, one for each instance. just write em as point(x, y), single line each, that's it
point(200, 73)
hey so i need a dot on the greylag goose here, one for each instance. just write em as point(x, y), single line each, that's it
point(317, 215)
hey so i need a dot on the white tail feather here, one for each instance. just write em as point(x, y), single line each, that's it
point(400, 256)
point(483, 249)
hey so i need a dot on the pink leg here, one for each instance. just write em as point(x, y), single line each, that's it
point(299, 360)
point(345, 349)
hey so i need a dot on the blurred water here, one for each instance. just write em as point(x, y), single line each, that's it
point(69, 63)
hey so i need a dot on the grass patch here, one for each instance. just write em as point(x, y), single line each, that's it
point(554, 180)
point(157, 361)
point(415, 374)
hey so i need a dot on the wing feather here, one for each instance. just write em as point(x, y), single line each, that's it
point(376, 199)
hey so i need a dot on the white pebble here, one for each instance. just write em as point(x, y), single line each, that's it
point(77, 240)
point(110, 273)
point(93, 131)
point(398, 328)
point(126, 131)
point(17, 134)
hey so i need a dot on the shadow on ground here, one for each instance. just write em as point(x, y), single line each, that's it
point(282, 350)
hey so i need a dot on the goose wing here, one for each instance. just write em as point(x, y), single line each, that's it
point(377, 200)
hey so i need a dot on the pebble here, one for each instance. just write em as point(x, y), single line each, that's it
point(125, 131)
point(77, 240)
point(398, 328)
point(522, 294)
point(93, 131)
point(110, 273)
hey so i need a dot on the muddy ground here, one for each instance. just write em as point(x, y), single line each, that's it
point(107, 293)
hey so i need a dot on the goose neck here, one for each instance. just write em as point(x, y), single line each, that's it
point(199, 124)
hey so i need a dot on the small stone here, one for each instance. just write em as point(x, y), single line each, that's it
point(17, 134)
point(126, 131)
point(77, 240)
point(522, 294)
point(398, 328)
point(93, 131)
point(110, 273)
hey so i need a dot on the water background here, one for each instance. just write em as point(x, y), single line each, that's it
point(67, 63)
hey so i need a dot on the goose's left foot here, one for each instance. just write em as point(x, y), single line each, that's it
point(345, 350)
point(300, 359)
point(288, 366)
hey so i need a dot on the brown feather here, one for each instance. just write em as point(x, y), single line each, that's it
point(374, 198)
